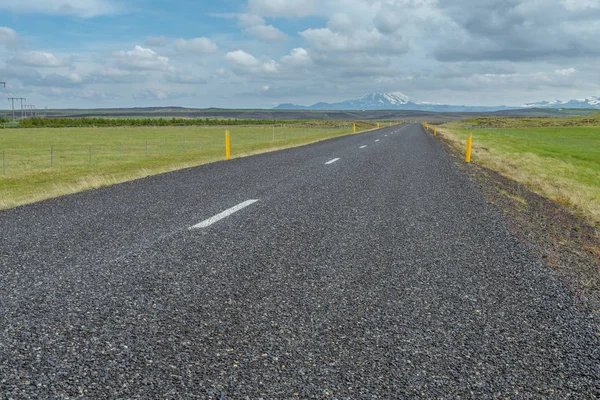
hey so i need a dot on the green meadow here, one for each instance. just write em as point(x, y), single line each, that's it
point(41, 163)
point(557, 158)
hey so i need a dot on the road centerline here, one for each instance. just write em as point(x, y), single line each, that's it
point(222, 215)
point(377, 140)
point(362, 147)
point(332, 161)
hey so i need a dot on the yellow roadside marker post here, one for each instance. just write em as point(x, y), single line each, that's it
point(227, 146)
point(435, 131)
point(469, 146)
point(354, 128)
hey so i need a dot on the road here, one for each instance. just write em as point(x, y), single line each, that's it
point(362, 267)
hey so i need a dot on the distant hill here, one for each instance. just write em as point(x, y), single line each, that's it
point(399, 101)
point(588, 102)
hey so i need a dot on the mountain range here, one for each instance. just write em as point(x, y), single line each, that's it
point(399, 101)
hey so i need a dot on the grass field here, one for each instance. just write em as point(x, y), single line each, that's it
point(557, 158)
point(42, 163)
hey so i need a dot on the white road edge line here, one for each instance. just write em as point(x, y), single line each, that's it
point(224, 214)
point(377, 140)
point(362, 147)
point(332, 161)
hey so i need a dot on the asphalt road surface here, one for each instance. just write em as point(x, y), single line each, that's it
point(363, 267)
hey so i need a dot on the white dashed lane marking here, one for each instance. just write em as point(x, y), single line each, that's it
point(224, 214)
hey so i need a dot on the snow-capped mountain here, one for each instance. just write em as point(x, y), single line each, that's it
point(385, 101)
point(400, 101)
point(588, 102)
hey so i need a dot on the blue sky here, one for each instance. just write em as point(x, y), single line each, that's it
point(259, 53)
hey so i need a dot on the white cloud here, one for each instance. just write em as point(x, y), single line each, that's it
point(79, 8)
point(255, 25)
point(358, 41)
point(565, 72)
point(199, 45)
point(247, 20)
point(299, 57)
point(141, 58)
point(116, 75)
point(39, 59)
point(31, 77)
point(341, 22)
point(283, 8)
point(245, 63)
point(267, 33)
point(8, 36)
point(242, 59)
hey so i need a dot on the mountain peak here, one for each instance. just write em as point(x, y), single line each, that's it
point(392, 98)
point(400, 101)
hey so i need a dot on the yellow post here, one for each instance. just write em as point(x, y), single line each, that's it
point(469, 145)
point(390, 123)
point(378, 125)
point(227, 146)
point(354, 128)
point(435, 131)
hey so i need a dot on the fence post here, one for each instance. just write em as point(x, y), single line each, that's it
point(227, 146)
point(469, 146)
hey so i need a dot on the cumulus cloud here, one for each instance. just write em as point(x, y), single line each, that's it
point(201, 45)
point(256, 26)
point(8, 36)
point(360, 40)
point(79, 8)
point(39, 59)
point(518, 30)
point(267, 33)
point(244, 63)
point(565, 72)
point(142, 59)
point(283, 8)
point(32, 77)
point(299, 57)
point(116, 75)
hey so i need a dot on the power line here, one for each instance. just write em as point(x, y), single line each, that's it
point(12, 99)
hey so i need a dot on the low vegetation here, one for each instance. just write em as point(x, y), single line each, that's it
point(558, 158)
point(117, 122)
point(47, 162)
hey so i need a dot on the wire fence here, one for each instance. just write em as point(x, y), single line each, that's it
point(181, 145)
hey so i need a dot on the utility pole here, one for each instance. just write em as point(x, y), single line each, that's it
point(22, 109)
point(12, 99)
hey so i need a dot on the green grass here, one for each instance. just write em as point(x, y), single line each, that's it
point(49, 162)
point(559, 162)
